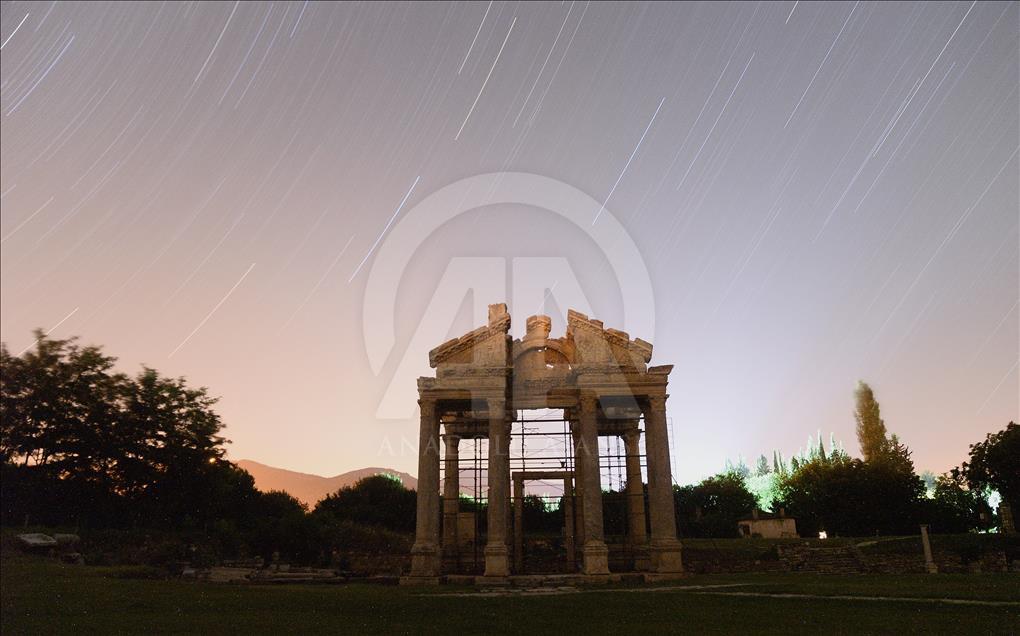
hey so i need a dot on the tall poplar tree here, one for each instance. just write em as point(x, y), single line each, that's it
point(871, 432)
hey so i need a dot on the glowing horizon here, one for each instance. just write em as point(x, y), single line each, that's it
point(818, 194)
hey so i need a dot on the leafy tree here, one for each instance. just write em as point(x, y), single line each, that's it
point(851, 497)
point(282, 525)
point(377, 500)
point(59, 406)
point(96, 447)
point(740, 469)
point(143, 457)
point(930, 479)
point(778, 465)
point(995, 465)
point(541, 517)
point(953, 508)
point(712, 507)
point(871, 432)
point(876, 445)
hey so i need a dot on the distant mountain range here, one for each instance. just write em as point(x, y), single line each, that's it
point(311, 488)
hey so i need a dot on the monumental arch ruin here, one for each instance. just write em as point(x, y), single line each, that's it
point(484, 383)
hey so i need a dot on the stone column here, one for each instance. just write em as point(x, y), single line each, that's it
point(518, 525)
point(451, 495)
point(425, 551)
point(665, 548)
point(929, 561)
point(499, 489)
point(508, 430)
point(595, 552)
point(637, 535)
point(568, 522)
point(575, 433)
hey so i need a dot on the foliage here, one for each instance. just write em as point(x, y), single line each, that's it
point(712, 507)
point(765, 489)
point(82, 444)
point(995, 465)
point(953, 508)
point(871, 432)
point(539, 516)
point(850, 497)
point(879, 494)
point(135, 465)
point(377, 500)
point(876, 444)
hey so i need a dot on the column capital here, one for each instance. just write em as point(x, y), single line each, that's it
point(428, 407)
point(588, 402)
point(631, 435)
point(656, 403)
point(496, 405)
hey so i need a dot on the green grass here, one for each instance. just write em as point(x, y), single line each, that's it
point(42, 596)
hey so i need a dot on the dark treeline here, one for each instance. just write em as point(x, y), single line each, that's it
point(878, 493)
point(140, 461)
point(136, 464)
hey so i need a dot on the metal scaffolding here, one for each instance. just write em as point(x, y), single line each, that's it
point(541, 441)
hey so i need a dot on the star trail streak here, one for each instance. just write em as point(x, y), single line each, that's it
point(821, 193)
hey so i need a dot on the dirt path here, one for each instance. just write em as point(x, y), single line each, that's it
point(719, 590)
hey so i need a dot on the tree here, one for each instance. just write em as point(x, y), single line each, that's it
point(871, 432)
point(953, 508)
point(712, 507)
point(740, 469)
point(538, 516)
point(377, 500)
point(778, 465)
point(851, 497)
point(59, 406)
point(94, 446)
point(995, 465)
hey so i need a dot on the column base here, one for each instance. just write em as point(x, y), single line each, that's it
point(595, 558)
point(496, 562)
point(665, 557)
point(424, 561)
point(419, 580)
point(642, 560)
point(450, 559)
point(652, 577)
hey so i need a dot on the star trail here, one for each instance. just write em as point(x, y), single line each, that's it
point(822, 192)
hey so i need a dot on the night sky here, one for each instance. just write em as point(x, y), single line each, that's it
point(820, 192)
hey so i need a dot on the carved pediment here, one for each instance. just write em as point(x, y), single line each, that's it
point(536, 366)
point(596, 345)
point(486, 346)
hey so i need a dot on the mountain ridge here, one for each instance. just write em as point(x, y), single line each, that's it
point(309, 488)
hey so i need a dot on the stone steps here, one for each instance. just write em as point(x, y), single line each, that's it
point(840, 560)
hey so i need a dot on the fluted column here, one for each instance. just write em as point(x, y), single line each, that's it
point(518, 525)
point(425, 551)
point(665, 548)
point(637, 535)
point(575, 432)
point(499, 489)
point(568, 522)
point(595, 552)
point(451, 495)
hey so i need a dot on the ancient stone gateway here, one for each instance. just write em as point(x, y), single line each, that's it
point(600, 380)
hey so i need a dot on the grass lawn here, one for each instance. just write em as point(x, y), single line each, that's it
point(42, 596)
